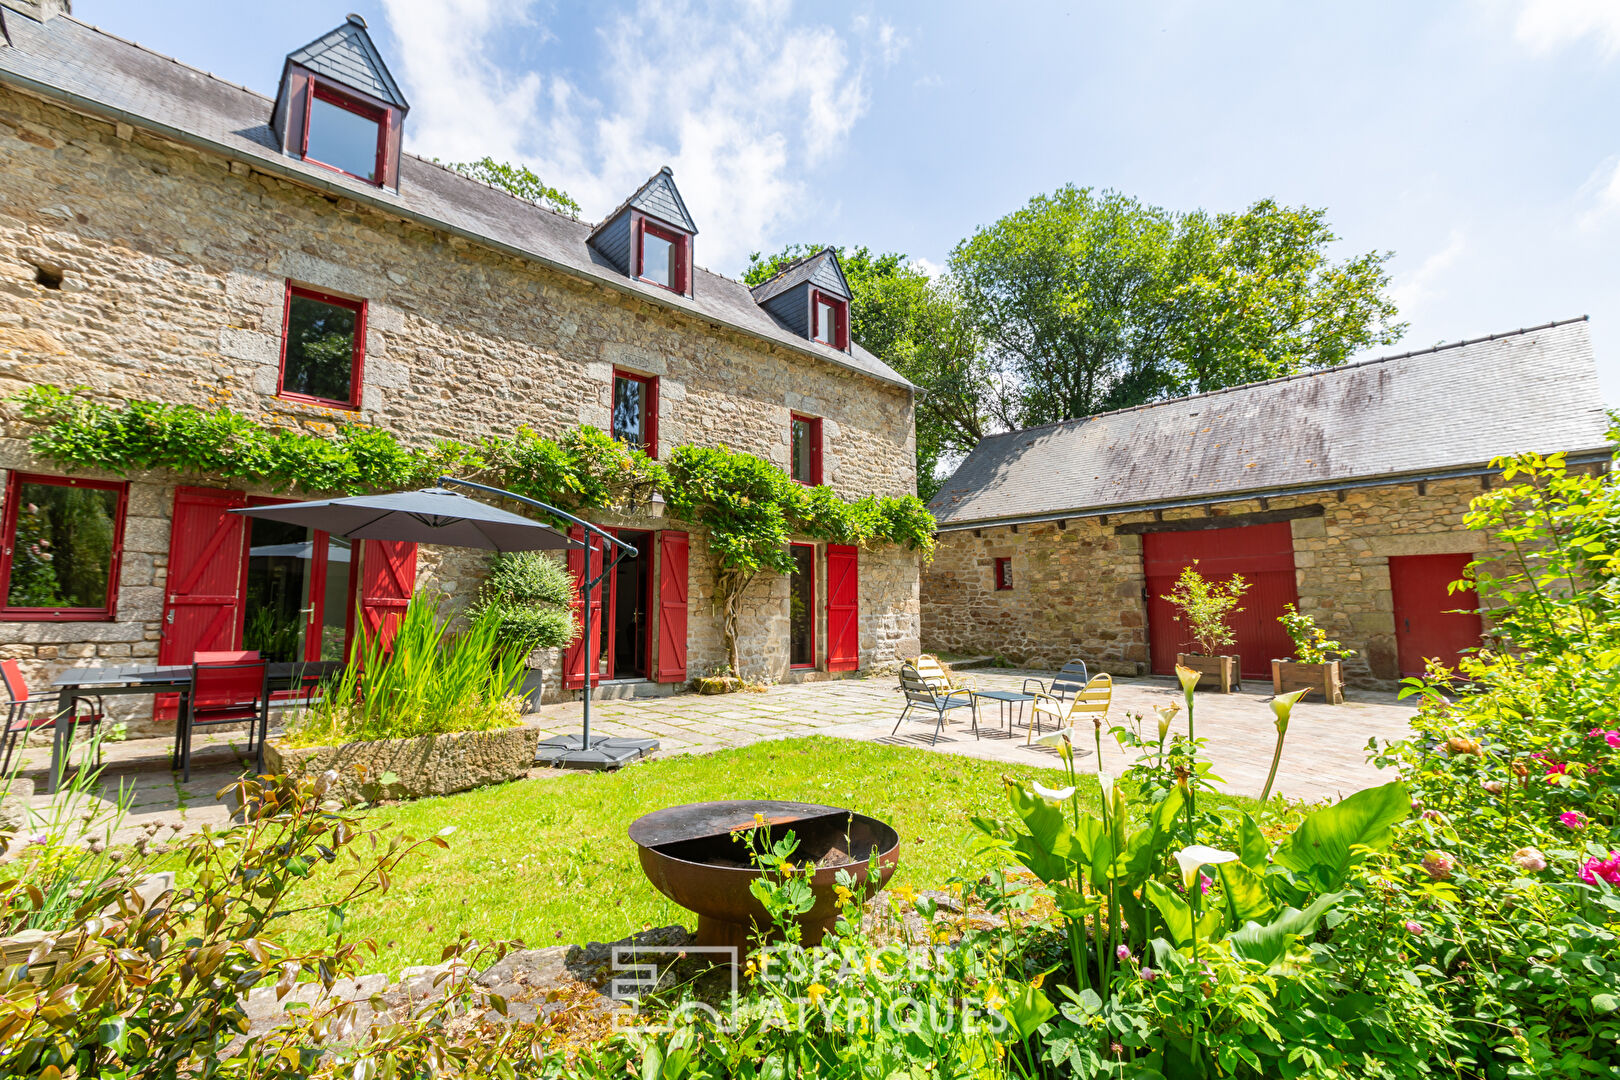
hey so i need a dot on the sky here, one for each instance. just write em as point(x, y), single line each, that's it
point(1477, 140)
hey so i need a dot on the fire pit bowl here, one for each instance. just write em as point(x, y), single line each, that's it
point(690, 855)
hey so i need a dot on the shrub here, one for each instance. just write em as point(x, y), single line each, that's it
point(1206, 606)
point(530, 594)
point(1311, 643)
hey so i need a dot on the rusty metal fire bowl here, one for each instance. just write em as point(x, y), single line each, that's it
point(690, 855)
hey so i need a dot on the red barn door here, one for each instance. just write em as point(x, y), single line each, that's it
point(202, 605)
point(1429, 621)
point(843, 609)
point(387, 580)
point(672, 594)
point(1262, 554)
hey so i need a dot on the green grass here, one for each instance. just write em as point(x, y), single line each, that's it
point(549, 861)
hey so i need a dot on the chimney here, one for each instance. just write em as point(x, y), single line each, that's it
point(39, 10)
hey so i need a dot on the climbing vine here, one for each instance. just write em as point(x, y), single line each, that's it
point(748, 505)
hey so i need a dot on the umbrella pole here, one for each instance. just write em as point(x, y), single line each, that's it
point(565, 751)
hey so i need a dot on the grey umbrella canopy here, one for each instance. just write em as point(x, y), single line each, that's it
point(429, 516)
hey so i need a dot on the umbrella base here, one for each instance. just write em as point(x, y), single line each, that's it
point(570, 752)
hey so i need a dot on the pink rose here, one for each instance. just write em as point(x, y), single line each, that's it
point(1572, 819)
point(1597, 870)
point(1413, 926)
point(1439, 865)
point(1530, 860)
point(1493, 787)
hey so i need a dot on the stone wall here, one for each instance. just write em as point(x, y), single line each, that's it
point(1078, 589)
point(173, 267)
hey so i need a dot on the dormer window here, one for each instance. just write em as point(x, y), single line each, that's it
point(829, 319)
point(344, 134)
point(662, 259)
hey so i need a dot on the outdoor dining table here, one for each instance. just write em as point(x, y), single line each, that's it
point(1007, 698)
point(152, 679)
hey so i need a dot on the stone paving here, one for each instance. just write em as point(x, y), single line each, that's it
point(1324, 756)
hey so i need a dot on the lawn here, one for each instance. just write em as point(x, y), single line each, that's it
point(549, 862)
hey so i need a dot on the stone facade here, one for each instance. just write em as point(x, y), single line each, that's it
point(1079, 590)
point(170, 271)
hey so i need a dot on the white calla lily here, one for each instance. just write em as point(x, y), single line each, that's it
point(1050, 795)
point(1193, 856)
point(1056, 738)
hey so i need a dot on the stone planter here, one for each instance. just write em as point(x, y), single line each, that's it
point(411, 768)
point(1326, 681)
point(1219, 671)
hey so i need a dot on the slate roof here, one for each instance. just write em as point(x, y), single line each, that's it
point(807, 268)
point(658, 198)
point(346, 55)
point(1453, 407)
point(89, 69)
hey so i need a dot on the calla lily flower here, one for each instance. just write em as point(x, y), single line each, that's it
point(1283, 704)
point(1167, 714)
point(1193, 856)
point(1050, 795)
point(1063, 739)
point(1188, 679)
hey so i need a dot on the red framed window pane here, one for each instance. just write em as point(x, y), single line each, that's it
point(635, 410)
point(806, 445)
point(829, 319)
point(661, 258)
point(323, 348)
point(63, 542)
point(1003, 574)
point(802, 607)
point(344, 134)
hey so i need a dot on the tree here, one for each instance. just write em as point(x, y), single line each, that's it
point(1094, 302)
point(917, 327)
point(516, 180)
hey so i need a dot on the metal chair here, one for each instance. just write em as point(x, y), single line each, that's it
point(936, 674)
point(19, 725)
point(228, 693)
point(1070, 679)
point(1090, 702)
point(920, 692)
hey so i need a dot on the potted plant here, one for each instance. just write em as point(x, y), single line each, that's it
point(530, 594)
point(1317, 663)
point(1206, 606)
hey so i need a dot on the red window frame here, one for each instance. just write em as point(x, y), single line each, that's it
point(815, 447)
point(1004, 574)
point(675, 237)
point(649, 385)
point(375, 113)
point(8, 538)
point(839, 338)
point(358, 365)
point(815, 650)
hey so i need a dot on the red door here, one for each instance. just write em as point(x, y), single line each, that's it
point(1262, 554)
point(843, 609)
point(387, 580)
point(672, 594)
point(574, 657)
point(202, 606)
point(1429, 620)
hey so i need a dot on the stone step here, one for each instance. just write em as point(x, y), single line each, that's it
point(630, 689)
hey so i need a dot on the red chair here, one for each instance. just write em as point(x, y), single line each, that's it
point(228, 693)
point(20, 725)
point(225, 656)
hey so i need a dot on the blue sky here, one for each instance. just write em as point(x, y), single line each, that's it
point(1476, 139)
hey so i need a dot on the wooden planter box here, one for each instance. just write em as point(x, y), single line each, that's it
point(16, 949)
point(1326, 681)
point(1219, 671)
point(411, 768)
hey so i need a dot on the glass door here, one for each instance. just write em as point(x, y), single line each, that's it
point(298, 593)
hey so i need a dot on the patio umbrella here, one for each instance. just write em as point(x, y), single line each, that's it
point(440, 516)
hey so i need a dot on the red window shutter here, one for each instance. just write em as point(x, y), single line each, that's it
point(202, 608)
point(672, 592)
point(387, 580)
point(574, 662)
point(843, 609)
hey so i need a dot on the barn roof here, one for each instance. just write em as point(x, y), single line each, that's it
point(820, 268)
point(1450, 408)
point(88, 69)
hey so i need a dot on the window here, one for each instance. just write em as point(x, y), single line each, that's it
point(827, 320)
point(344, 134)
point(662, 259)
point(635, 410)
point(63, 539)
point(1003, 574)
point(802, 607)
point(298, 596)
point(322, 348)
point(806, 436)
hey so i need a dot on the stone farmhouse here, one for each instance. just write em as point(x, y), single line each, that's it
point(1342, 491)
point(169, 236)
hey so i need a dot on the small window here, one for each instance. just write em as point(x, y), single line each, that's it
point(322, 348)
point(1003, 574)
point(62, 543)
point(827, 320)
point(635, 410)
point(662, 260)
point(345, 135)
point(802, 607)
point(806, 436)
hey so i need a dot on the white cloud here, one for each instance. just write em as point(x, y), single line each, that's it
point(930, 267)
point(738, 99)
point(1412, 291)
point(1545, 25)
point(1601, 193)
